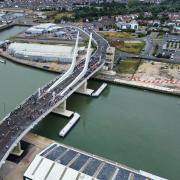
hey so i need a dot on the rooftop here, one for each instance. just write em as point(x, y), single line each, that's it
point(44, 49)
point(62, 162)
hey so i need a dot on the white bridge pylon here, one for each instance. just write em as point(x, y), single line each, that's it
point(71, 69)
point(80, 76)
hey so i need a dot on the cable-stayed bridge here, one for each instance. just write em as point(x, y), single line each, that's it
point(25, 116)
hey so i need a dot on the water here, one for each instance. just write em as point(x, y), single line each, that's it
point(136, 128)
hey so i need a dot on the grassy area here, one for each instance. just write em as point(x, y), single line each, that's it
point(111, 35)
point(58, 16)
point(129, 47)
point(63, 16)
point(160, 35)
point(128, 66)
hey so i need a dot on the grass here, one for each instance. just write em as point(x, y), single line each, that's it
point(111, 35)
point(58, 16)
point(128, 66)
point(160, 35)
point(67, 14)
point(134, 48)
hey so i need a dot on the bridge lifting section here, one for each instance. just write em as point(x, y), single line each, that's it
point(70, 70)
point(83, 72)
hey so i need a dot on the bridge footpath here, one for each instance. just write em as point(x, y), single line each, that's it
point(25, 116)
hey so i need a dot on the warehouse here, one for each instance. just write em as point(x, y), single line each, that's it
point(41, 52)
point(66, 163)
point(43, 28)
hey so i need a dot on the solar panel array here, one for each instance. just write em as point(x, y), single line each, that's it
point(88, 164)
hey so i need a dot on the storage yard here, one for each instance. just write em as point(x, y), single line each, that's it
point(51, 32)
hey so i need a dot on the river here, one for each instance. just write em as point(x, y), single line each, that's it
point(140, 129)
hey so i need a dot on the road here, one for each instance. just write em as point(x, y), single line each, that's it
point(16, 124)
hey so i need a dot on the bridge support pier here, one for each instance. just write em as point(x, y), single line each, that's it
point(84, 90)
point(61, 110)
point(17, 151)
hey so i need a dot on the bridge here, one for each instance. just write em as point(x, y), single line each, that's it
point(32, 110)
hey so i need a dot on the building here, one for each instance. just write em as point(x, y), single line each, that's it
point(43, 28)
point(133, 25)
point(152, 1)
point(66, 163)
point(110, 53)
point(41, 52)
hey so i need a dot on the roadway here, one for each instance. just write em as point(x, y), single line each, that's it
point(124, 55)
point(20, 121)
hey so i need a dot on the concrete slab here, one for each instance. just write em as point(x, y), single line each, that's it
point(88, 92)
point(69, 125)
point(13, 171)
point(99, 91)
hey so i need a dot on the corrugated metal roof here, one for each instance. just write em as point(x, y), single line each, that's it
point(65, 163)
point(43, 51)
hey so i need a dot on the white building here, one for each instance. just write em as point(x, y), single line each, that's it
point(41, 52)
point(43, 28)
point(133, 25)
point(66, 163)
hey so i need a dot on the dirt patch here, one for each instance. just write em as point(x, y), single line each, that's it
point(156, 73)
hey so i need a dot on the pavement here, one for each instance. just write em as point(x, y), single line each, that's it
point(167, 38)
point(13, 171)
point(148, 50)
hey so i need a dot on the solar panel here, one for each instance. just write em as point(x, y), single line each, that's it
point(106, 172)
point(68, 157)
point(47, 150)
point(80, 161)
point(139, 177)
point(55, 153)
point(92, 167)
point(122, 174)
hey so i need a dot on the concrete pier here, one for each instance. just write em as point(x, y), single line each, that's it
point(100, 90)
point(69, 125)
point(84, 90)
point(17, 151)
point(61, 110)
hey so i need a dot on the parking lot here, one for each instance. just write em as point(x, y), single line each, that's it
point(170, 47)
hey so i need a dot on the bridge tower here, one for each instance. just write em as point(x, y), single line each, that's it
point(83, 88)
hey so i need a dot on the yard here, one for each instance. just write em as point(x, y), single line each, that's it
point(134, 47)
point(128, 66)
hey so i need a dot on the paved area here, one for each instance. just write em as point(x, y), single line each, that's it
point(13, 171)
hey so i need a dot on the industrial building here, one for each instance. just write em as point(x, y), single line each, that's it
point(133, 25)
point(41, 52)
point(66, 163)
point(43, 28)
